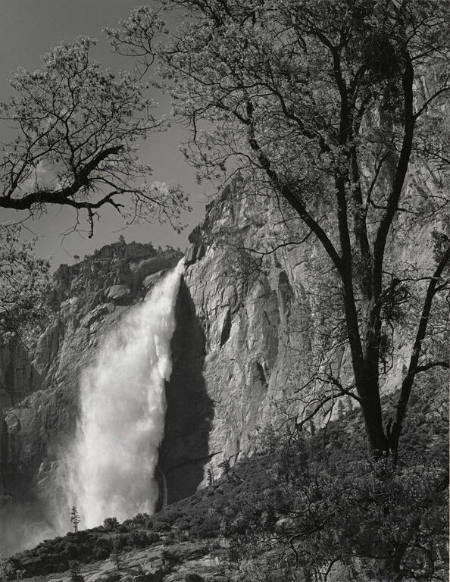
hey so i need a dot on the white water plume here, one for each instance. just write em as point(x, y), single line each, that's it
point(111, 466)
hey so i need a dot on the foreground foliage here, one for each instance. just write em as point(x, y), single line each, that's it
point(309, 506)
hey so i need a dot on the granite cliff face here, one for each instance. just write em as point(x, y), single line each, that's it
point(247, 327)
point(238, 322)
point(253, 324)
point(256, 320)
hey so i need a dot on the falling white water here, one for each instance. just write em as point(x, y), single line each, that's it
point(112, 464)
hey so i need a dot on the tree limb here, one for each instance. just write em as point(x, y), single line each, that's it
point(413, 367)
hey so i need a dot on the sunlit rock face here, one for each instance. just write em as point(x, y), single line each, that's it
point(255, 318)
point(265, 305)
point(241, 346)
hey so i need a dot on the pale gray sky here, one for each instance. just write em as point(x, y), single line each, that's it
point(28, 29)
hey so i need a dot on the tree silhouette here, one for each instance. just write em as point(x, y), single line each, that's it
point(76, 143)
point(321, 105)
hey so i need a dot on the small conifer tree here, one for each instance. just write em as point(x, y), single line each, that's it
point(74, 518)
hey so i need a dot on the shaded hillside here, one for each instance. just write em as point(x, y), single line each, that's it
point(306, 504)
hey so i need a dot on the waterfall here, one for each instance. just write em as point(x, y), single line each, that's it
point(110, 469)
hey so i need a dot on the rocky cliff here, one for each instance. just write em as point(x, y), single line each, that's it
point(235, 317)
point(249, 316)
point(255, 317)
point(39, 388)
point(265, 298)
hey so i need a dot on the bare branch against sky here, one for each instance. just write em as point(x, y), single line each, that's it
point(28, 29)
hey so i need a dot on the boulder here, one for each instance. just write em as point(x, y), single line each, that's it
point(118, 293)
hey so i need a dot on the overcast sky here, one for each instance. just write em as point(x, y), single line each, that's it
point(28, 29)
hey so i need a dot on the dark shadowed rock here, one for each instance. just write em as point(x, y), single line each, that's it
point(185, 449)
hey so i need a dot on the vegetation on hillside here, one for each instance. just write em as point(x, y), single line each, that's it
point(24, 286)
point(305, 503)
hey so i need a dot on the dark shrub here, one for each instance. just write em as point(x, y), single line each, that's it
point(100, 554)
point(208, 528)
point(111, 524)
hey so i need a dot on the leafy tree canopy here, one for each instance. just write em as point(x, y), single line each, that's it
point(24, 281)
point(76, 134)
point(334, 109)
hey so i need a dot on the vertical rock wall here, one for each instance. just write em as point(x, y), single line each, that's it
point(256, 322)
point(250, 318)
